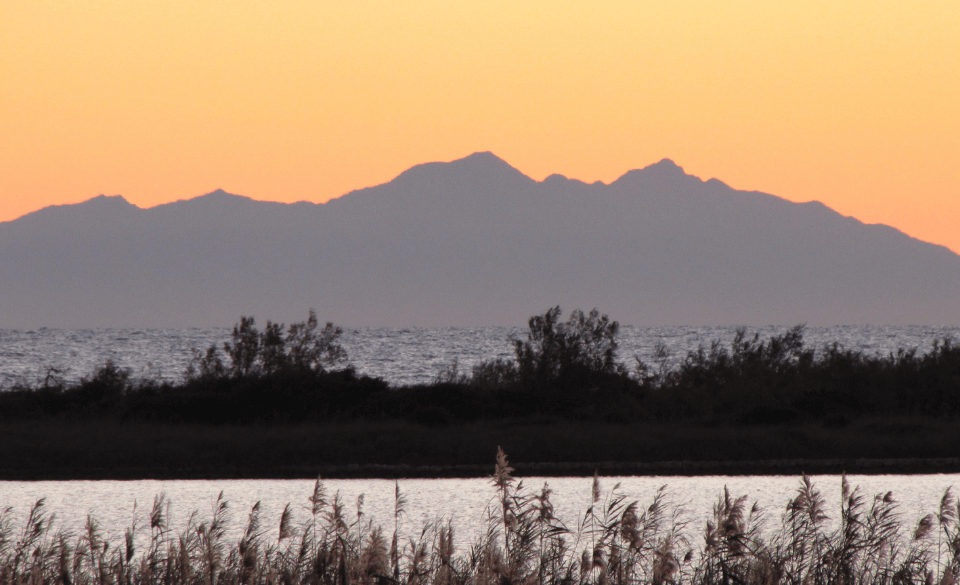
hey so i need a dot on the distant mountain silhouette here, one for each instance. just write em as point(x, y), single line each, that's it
point(472, 242)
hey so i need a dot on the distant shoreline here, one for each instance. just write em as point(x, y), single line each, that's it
point(789, 467)
point(96, 449)
point(661, 468)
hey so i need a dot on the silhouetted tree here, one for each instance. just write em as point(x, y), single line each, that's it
point(582, 346)
point(313, 349)
point(252, 352)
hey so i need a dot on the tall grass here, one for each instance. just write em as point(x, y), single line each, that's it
point(522, 542)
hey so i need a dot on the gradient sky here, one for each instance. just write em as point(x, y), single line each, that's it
point(852, 103)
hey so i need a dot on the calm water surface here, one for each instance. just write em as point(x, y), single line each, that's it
point(462, 501)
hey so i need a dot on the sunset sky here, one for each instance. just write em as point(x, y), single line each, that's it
point(853, 103)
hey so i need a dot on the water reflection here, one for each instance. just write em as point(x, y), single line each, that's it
point(463, 501)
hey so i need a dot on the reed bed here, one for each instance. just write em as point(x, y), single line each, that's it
point(521, 542)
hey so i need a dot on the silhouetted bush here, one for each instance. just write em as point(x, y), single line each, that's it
point(252, 352)
point(498, 373)
point(576, 350)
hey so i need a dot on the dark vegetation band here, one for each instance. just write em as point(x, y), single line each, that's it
point(562, 369)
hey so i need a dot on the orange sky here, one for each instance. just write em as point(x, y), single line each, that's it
point(852, 103)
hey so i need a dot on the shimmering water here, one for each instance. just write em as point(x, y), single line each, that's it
point(400, 356)
point(462, 501)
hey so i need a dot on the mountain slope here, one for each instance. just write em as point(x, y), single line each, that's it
point(473, 241)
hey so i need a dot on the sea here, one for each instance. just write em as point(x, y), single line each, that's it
point(411, 356)
point(400, 356)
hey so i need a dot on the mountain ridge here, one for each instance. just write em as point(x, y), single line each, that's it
point(473, 242)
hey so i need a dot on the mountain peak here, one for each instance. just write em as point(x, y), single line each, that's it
point(483, 155)
point(112, 200)
point(221, 195)
point(94, 208)
point(666, 169)
point(99, 204)
point(555, 178)
point(481, 168)
point(484, 160)
point(667, 164)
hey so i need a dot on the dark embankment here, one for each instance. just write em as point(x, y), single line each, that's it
point(280, 403)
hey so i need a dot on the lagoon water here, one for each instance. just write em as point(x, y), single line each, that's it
point(399, 356)
point(461, 501)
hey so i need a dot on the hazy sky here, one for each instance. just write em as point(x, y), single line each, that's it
point(852, 103)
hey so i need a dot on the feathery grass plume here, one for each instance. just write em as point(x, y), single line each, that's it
point(418, 570)
point(95, 548)
point(248, 549)
point(210, 541)
point(159, 514)
point(948, 537)
point(6, 531)
point(485, 558)
point(122, 565)
point(34, 529)
point(286, 524)
point(551, 533)
point(335, 518)
point(155, 557)
point(64, 552)
point(399, 509)
point(596, 555)
point(129, 535)
point(318, 499)
point(655, 542)
point(732, 540)
point(503, 481)
point(801, 543)
point(318, 505)
point(374, 562)
point(595, 488)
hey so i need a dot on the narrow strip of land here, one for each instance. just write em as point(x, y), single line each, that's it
point(108, 449)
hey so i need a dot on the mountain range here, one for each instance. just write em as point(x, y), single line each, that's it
point(472, 242)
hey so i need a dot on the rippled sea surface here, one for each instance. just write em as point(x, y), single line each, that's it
point(399, 356)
